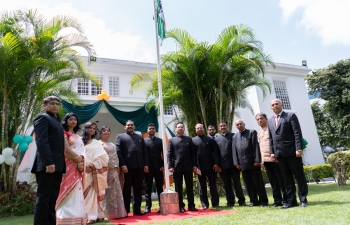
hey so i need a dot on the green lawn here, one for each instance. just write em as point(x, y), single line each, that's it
point(328, 204)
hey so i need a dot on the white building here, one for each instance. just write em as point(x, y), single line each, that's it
point(288, 85)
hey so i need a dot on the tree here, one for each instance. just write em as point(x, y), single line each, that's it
point(35, 61)
point(333, 85)
point(330, 132)
point(208, 81)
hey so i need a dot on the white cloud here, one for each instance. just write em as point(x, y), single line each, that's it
point(107, 42)
point(328, 19)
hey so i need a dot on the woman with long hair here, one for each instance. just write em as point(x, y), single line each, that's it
point(70, 207)
point(113, 201)
point(96, 164)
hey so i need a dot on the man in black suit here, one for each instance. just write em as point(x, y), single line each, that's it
point(246, 157)
point(286, 147)
point(154, 148)
point(211, 131)
point(228, 170)
point(49, 164)
point(208, 161)
point(182, 162)
point(133, 159)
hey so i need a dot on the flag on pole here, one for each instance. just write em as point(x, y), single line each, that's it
point(160, 20)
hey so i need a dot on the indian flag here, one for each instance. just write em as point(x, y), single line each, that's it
point(160, 20)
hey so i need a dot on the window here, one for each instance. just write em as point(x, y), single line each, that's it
point(86, 87)
point(282, 93)
point(83, 87)
point(168, 111)
point(94, 89)
point(113, 86)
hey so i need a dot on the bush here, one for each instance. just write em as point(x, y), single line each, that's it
point(318, 172)
point(18, 204)
point(340, 162)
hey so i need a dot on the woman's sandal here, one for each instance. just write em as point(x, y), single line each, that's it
point(100, 219)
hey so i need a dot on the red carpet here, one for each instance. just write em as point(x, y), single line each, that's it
point(153, 217)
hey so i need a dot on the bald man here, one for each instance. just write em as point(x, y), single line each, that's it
point(286, 146)
point(247, 157)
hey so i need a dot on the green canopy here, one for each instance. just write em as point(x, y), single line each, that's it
point(141, 117)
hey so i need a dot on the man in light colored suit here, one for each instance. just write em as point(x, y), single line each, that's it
point(286, 147)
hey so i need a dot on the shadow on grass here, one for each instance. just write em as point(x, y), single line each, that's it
point(327, 203)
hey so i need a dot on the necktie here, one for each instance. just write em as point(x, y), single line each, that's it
point(276, 120)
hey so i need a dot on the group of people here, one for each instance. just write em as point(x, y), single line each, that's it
point(84, 180)
point(276, 148)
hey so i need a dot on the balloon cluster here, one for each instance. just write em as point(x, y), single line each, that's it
point(23, 143)
point(103, 95)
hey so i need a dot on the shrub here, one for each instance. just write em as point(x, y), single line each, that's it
point(18, 204)
point(340, 162)
point(318, 172)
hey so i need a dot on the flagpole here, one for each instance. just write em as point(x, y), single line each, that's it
point(161, 130)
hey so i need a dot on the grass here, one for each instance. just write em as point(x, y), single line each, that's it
point(328, 204)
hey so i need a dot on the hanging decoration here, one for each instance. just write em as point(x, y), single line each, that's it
point(103, 95)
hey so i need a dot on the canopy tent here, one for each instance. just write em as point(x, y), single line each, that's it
point(141, 117)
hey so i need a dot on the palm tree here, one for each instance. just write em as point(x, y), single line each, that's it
point(36, 61)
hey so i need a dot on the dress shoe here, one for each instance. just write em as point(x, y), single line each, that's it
point(230, 205)
point(192, 209)
point(216, 206)
point(287, 206)
point(182, 210)
point(147, 210)
point(252, 205)
point(204, 207)
point(138, 213)
point(304, 204)
point(275, 205)
point(262, 206)
point(158, 211)
point(244, 204)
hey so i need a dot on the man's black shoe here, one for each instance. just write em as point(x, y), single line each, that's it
point(147, 210)
point(138, 213)
point(275, 205)
point(304, 204)
point(158, 211)
point(192, 209)
point(244, 204)
point(182, 210)
point(204, 207)
point(287, 206)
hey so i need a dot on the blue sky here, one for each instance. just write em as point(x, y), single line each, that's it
point(291, 30)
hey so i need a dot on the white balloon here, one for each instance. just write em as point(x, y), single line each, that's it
point(2, 159)
point(10, 160)
point(7, 152)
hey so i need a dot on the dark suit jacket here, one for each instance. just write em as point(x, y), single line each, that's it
point(131, 150)
point(246, 150)
point(287, 137)
point(49, 140)
point(154, 148)
point(207, 152)
point(225, 149)
point(181, 154)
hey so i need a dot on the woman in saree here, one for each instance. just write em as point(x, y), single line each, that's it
point(96, 164)
point(70, 207)
point(113, 202)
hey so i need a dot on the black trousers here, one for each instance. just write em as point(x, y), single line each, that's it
point(227, 175)
point(255, 186)
point(134, 178)
point(274, 174)
point(158, 177)
point(293, 166)
point(209, 175)
point(46, 197)
point(178, 178)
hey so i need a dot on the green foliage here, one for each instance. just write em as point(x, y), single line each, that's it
point(36, 61)
point(340, 162)
point(318, 172)
point(206, 82)
point(329, 129)
point(22, 203)
point(333, 85)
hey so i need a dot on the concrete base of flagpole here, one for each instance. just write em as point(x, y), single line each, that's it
point(169, 202)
